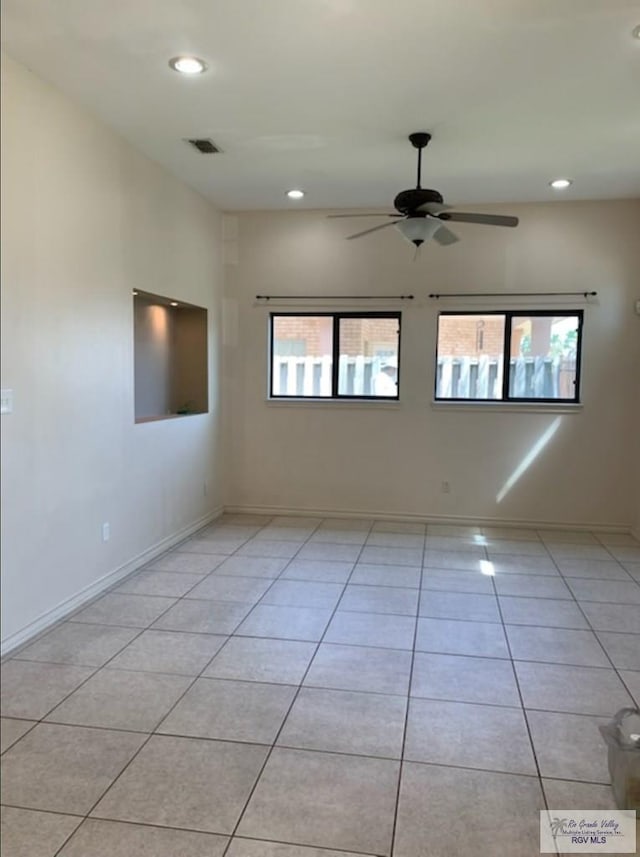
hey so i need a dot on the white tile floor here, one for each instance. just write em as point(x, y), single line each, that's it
point(298, 687)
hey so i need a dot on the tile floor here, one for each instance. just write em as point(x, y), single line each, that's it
point(298, 687)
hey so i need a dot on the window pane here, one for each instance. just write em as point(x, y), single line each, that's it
point(470, 356)
point(301, 362)
point(543, 357)
point(368, 357)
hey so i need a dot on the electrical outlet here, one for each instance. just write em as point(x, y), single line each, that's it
point(446, 488)
point(106, 531)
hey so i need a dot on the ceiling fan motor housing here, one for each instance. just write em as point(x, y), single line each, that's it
point(407, 201)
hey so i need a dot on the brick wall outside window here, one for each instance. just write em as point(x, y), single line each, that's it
point(464, 336)
point(368, 336)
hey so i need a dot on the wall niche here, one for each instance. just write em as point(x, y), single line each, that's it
point(170, 358)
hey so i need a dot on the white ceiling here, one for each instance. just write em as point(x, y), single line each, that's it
point(321, 94)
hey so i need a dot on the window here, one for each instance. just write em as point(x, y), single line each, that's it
point(334, 355)
point(509, 356)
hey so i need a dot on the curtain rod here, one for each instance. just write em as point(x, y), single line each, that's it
point(510, 294)
point(334, 297)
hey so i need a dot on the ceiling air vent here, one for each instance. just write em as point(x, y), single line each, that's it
point(206, 146)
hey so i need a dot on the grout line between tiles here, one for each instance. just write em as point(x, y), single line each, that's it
point(407, 714)
point(152, 733)
point(95, 670)
point(46, 811)
point(34, 723)
point(293, 701)
point(60, 702)
point(524, 712)
point(305, 846)
point(507, 774)
point(81, 820)
point(600, 643)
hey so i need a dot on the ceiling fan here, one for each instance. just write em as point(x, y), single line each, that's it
point(423, 212)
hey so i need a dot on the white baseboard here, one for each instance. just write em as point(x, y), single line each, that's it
point(80, 599)
point(460, 520)
point(44, 622)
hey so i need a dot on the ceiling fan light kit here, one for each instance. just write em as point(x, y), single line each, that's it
point(423, 211)
point(417, 230)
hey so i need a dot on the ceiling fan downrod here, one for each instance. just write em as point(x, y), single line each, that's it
point(419, 141)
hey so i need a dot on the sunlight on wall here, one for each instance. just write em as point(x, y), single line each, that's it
point(529, 458)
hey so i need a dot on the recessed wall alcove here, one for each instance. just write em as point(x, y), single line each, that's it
point(170, 357)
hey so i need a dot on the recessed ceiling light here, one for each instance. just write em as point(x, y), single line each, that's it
point(173, 303)
point(560, 184)
point(188, 65)
point(295, 194)
point(636, 32)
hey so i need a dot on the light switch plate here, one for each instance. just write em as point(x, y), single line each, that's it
point(6, 401)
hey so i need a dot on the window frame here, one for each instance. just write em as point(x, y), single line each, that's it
point(509, 315)
point(336, 316)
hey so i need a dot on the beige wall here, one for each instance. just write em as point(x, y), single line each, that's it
point(189, 383)
point(85, 220)
point(387, 458)
point(153, 337)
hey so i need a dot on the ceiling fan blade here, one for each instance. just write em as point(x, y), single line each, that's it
point(375, 229)
point(363, 215)
point(488, 219)
point(445, 236)
point(433, 207)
